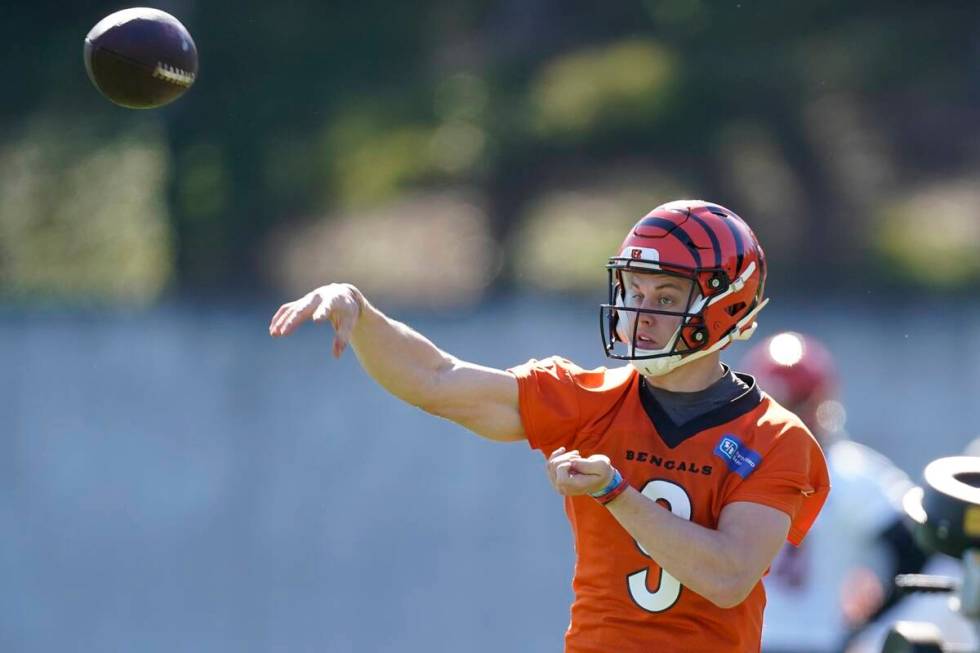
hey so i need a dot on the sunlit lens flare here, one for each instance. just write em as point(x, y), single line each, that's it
point(786, 349)
point(831, 416)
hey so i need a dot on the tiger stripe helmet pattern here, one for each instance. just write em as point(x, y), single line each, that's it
point(718, 252)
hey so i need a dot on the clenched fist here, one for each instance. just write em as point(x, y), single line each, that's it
point(572, 475)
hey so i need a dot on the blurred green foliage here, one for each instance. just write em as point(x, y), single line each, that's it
point(84, 219)
point(835, 128)
point(625, 85)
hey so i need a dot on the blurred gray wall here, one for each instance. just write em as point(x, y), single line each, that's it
point(177, 480)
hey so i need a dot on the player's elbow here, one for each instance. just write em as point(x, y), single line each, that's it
point(723, 598)
point(437, 399)
point(486, 424)
point(433, 406)
point(432, 390)
point(730, 591)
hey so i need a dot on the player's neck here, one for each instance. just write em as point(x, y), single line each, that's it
point(692, 377)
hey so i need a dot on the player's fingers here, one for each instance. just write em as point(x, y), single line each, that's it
point(305, 305)
point(283, 321)
point(560, 454)
point(593, 465)
point(275, 317)
point(551, 478)
point(553, 457)
point(563, 473)
point(290, 320)
point(558, 457)
point(569, 481)
point(298, 312)
point(550, 470)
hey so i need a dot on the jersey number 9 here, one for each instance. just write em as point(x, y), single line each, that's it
point(669, 588)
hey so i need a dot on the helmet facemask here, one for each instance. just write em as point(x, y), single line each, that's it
point(620, 323)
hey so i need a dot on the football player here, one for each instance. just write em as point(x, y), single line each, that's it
point(682, 479)
point(819, 593)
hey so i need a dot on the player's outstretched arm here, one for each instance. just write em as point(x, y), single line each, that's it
point(407, 364)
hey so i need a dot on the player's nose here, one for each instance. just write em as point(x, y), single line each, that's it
point(647, 319)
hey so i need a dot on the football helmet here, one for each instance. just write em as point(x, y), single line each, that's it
point(799, 372)
point(704, 243)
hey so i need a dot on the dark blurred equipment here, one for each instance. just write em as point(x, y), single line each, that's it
point(946, 510)
point(141, 58)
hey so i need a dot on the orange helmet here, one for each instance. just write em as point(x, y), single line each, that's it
point(799, 372)
point(707, 244)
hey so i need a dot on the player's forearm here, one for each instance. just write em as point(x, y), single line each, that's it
point(701, 559)
point(400, 359)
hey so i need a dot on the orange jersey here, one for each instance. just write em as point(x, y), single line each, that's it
point(751, 449)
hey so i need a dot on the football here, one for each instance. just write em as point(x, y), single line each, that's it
point(141, 58)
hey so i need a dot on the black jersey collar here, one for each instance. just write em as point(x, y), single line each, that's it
point(674, 434)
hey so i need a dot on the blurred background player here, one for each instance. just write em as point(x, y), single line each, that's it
point(841, 577)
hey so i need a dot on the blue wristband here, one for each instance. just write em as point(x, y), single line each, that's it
point(613, 484)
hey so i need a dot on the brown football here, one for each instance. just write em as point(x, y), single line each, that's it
point(141, 58)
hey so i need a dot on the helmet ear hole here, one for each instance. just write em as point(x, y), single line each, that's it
point(695, 337)
point(735, 309)
point(717, 283)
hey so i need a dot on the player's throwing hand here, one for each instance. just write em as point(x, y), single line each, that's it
point(571, 474)
point(336, 302)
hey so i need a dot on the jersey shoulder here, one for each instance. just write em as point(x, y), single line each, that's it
point(776, 424)
point(775, 413)
point(557, 398)
point(563, 372)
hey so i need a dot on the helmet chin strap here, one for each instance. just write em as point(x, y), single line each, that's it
point(663, 363)
point(658, 366)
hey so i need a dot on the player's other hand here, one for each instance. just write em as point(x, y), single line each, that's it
point(337, 303)
point(572, 475)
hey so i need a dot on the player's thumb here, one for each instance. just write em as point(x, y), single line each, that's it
point(343, 327)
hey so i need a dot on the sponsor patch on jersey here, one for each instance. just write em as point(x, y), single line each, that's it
point(739, 458)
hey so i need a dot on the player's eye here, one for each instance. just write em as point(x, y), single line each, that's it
point(665, 300)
